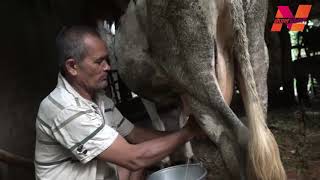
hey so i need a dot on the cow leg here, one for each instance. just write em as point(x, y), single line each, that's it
point(153, 114)
point(156, 122)
point(212, 123)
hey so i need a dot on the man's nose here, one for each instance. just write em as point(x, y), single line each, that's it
point(107, 67)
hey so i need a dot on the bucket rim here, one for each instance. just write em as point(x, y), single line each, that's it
point(182, 165)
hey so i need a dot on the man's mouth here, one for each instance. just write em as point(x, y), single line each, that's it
point(104, 78)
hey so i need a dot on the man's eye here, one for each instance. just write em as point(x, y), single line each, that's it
point(99, 61)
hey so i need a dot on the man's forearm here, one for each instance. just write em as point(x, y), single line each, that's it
point(154, 150)
point(139, 135)
point(135, 157)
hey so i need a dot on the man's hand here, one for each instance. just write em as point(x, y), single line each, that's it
point(141, 155)
point(193, 128)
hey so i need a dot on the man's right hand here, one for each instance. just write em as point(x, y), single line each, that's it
point(193, 127)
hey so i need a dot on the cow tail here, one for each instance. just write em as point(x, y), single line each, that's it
point(263, 152)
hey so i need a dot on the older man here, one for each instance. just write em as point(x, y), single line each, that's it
point(80, 133)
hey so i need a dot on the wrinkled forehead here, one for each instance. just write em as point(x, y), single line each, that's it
point(95, 45)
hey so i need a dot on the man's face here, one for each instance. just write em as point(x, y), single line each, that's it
point(92, 72)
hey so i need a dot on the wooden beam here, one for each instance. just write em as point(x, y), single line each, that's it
point(15, 160)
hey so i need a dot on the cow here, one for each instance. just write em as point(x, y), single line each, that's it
point(193, 51)
point(159, 116)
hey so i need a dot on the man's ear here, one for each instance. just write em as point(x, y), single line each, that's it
point(71, 66)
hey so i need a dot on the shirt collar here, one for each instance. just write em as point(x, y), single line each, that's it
point(62, 82)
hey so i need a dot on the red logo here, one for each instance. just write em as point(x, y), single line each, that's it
point(294, 23)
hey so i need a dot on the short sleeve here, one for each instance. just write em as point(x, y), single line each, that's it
point(84, 132)
point(123, 125)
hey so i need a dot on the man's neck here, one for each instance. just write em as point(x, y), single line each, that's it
point(84, 92)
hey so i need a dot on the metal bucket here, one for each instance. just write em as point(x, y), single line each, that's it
point(180, 172)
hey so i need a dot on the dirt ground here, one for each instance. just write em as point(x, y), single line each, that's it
point(298, 137)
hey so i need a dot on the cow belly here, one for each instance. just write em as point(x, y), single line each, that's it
point(147, 82)
point(225, 75)
point(224, 65)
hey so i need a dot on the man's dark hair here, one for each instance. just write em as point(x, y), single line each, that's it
point(70, 43)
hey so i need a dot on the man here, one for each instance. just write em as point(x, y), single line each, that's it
point(80, 133)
